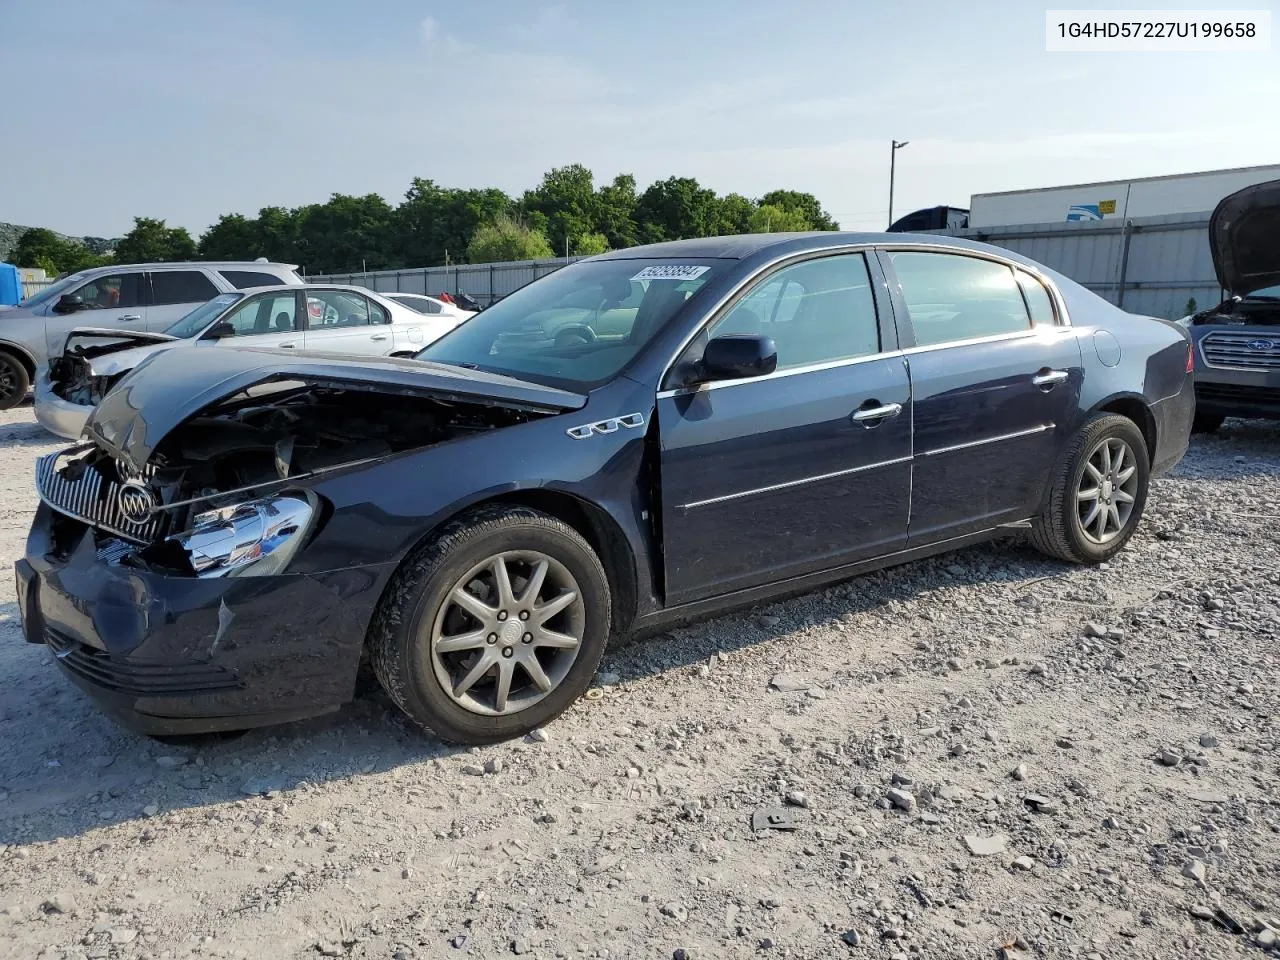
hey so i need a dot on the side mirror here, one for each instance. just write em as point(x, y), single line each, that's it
point(221, 330)
point(736, 356)
point(69, 303)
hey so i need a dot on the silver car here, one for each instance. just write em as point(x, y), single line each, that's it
point(322, 318)
point(146, 297)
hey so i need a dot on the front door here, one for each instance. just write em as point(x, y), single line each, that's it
point(114, 300)
point(800, 470)
point(343, 321)
point(996, 383)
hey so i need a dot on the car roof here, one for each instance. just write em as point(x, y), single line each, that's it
point(741, 246)
point(292, 287)
point(188, 264)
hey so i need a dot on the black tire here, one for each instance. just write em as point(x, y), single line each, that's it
point(14, 381)
point(399, 637)
point(1058, 530)
point(1206, 422)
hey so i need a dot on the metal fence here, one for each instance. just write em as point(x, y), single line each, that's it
point(32, 287)
point(486, 282)
point(1149, 265)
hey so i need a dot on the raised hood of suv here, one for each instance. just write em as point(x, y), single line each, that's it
point(1244, 236)
point(172, 386)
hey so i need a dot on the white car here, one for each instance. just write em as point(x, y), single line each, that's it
point(325, 318)
point(430, 305)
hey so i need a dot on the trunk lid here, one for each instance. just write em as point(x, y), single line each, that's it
point(1244, 236)
point(172, 385)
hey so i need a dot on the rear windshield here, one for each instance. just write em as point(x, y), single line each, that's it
point(580, 326)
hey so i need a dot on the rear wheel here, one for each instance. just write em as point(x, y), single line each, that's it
point(494, 628)
point(1098, 495)
point(14, 381)
point(1206, 422)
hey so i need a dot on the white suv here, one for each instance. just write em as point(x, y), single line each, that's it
point(139, 296)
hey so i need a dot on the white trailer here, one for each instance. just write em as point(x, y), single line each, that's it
point(1116, 199)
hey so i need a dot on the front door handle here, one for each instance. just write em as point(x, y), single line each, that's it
point(132, 316)
point(286, 346)
point(1049, 378)
point(872, 415)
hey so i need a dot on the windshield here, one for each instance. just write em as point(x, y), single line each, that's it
point(54, 290)
point(199, 318)
point(578, 327)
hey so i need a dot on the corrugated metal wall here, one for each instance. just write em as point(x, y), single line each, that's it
point(484, 281)
point(1149, 265)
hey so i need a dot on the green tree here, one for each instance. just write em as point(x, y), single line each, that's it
point(434, 224)
point(733, 215)
point(770, 219)
point(674, 209)
point(567, 198)
point(232, 237)
point(616, 212)
point(806, 204)
point(589, 244)
point(346, 233)
point(504, 238)
point(54, 254)
point(151, 241)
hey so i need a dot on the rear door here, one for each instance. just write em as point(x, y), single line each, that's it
point(174, 294)
point(801, 470)
point(995, 379)
point(343, 321)
point(267, 320)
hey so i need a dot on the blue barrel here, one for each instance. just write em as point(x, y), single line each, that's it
point(10, 285)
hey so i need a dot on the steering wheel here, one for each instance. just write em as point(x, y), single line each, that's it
point(574, 332)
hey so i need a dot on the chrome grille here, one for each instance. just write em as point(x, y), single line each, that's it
point(1248, 351)
point(92, 498)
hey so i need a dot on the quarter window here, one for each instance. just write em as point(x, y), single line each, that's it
point(243, 279)
point(181, 286)
point(1038, 300)
point(817, 311)
point(952, 297)
point(327, 309)
point(267, 314)
point(111, 292)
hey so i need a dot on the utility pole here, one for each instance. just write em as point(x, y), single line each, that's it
point(896, 145)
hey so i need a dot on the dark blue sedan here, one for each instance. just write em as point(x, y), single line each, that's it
point(642, 436)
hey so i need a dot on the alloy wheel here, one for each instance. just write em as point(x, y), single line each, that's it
point(8, 385)
point(1107, 491)
point(508, 633)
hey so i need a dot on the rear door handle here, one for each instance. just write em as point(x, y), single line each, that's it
point(871, 415)
point(132, 316)
point(1049, 378)
point(378, 336)
point(286, 346)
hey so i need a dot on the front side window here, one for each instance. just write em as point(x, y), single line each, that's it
point(180, 286)
point(329, 309)
point(270, 313)
point(201, 316)
point(111, 292)
point(954, 297)
point(817, 311)
point(580, 326)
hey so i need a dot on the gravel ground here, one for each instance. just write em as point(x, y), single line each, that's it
point(988, 754)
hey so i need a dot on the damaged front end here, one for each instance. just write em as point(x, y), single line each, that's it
point(94, 359)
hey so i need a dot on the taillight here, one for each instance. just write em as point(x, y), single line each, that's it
point(1191, 358)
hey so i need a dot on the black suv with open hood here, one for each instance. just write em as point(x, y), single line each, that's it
point(1238, 341)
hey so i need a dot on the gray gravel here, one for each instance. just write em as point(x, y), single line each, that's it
point(987, 754)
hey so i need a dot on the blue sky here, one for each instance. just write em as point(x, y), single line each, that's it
point(185, 110)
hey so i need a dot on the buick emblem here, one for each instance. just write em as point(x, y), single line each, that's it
point(1262, 344)
point(137, 502)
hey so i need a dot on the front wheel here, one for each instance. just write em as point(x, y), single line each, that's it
point(494, 628)
point(14, 382)
point(1098, 494)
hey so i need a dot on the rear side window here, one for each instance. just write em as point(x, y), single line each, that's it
point(181, 286)
point(952, 297)
point(243, 279)
point(1038, 300)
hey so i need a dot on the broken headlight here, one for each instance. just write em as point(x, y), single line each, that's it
point(257, 538)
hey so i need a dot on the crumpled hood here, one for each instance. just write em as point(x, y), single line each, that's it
point(1244, 236)
point(171, 385)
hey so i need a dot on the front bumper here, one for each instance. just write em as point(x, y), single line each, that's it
point(1235, 391)
point(170, 655)
point(58, 416)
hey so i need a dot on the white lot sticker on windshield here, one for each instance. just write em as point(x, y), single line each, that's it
point(673, 271)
